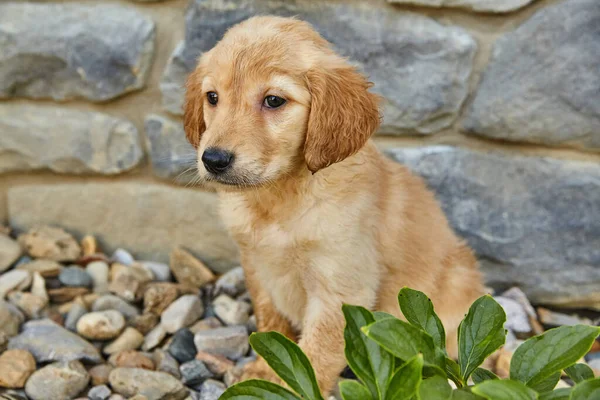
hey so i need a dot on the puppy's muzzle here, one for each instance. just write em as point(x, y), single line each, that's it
point(217, 161)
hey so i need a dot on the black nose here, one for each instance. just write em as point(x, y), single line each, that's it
point(217, 161)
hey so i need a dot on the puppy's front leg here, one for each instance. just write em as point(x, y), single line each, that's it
point(267, 319)
point(323, 328)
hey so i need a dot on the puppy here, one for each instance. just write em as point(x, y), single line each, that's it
point(282, 124)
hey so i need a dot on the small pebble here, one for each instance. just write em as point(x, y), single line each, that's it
point(46, 268)
point(231, 283)
point(159, 296)
point(101, 392)
point(66, 294)
point(211, 390)
point(89, 245)
point(127, 281)
point(194, 372)
point(154, 338)
point(230, 311)
point(75, 313)
point(131, 359)
point(31, 305)
point(161, 271)
point(217, 364)
point(144, 323)
point(61, 380)
point(182, 347)
point(15, 279)
point(181, 313)
point(112, 302)
point(75, 277)
point(98, 271)
point(130, 339)
point(152, 384)
point(38, 287)
point(166, 363)
point(10, 251)
point(122, 256)
point(101, 325)
point(188, 269)
point(16, 366)
point(99, 374)
point(50, 243)
point(205, 324)
point(230, 342)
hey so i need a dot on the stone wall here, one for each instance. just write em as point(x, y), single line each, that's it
point(495, 102)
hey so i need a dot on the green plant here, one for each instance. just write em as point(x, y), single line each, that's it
point(396, 360)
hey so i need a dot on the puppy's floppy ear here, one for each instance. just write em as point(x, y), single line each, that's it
point(343, 115)
point(193, 114)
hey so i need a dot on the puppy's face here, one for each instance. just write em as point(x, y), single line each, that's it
point(271, 98)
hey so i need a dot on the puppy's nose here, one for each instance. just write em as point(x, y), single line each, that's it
point(216, 160)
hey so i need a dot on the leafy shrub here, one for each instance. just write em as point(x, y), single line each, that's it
point(396, 360)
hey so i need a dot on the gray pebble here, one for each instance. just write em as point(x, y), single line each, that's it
point(77, 311)
point(194, 373)
point(182, 347)
point(211, 390)
point(231, 341)
point(75, 276)
point(101, 392)
point(112, 302)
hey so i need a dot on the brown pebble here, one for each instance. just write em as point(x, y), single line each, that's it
point(54, 315)
point(159, 296)
point(66, 294)
point(216, 364)
point(206, 324)
point(15, 368)
point(85, 260)
point(144, 323)
point(131, 359)
point(88, 245)
point(99, 374)
point(188, 269)
point(46, 268)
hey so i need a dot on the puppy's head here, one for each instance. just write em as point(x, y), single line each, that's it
point(270, 98)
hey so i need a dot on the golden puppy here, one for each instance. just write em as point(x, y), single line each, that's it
point(282, 126)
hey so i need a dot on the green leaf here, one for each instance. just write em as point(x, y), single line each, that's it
point(586, 390)
point(288, 361)
point(418, 310)
point(558, 394)
point(504, 390)
point(542, 356)
point(480, 334)
point(404, 341)
point(436, 388)
point(353, 390)
point(406, 381)
point(372, 365)
point(547, 384)
point(465, 394)
point(482, 374)
point(453, 372)
point(379, 315)
point(259, 390)
point(579, 372)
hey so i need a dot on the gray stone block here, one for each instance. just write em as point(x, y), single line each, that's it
point(543, 83)
point(65, 51)
point(34, 137)
point(533, 222)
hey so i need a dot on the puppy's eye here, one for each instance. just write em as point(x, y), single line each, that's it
point(213, 98)
point(273, 101)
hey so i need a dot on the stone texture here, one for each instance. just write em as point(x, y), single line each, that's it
point(15, 368)
point(217, 364)
point(124, 214)
point(14, 280)
point(36, 137)
point(98, 270)
point(181, 313)
point(159, 296)
point(46, 268)
point(130, 339)
point(67, 51)
point(51, 243)
point(110, 302)
point(495, 6)
point(101, 325)
point(10, 251)
point(31, 305)
point(77, 311)
point(173, 158)
point(166, 363)
point(543, 83)
point(230, 342)
point(75, 276)
point(48, 341)
point(182, 347)
point(188, 269)
point(145, 322)
point(154, 385)
point(154, 338)
point(131, 359)
point(230, 311)
point(99, 374)
point(194, 372)
point(532, 221)
point(10, 319)
point(61, 380)
point(101, 392)
point(232, 282)
point(418, 65)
